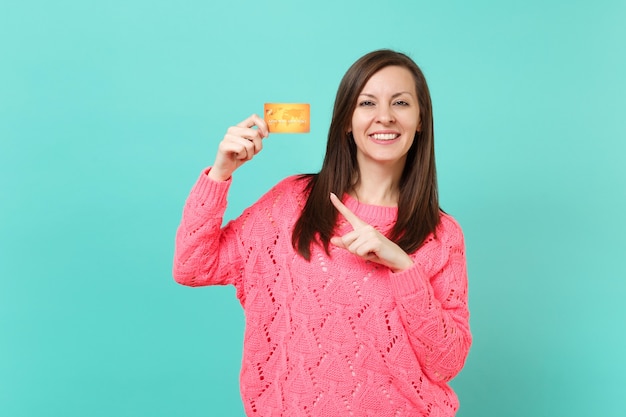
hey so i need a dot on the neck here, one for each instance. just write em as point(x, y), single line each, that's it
point(378, 185)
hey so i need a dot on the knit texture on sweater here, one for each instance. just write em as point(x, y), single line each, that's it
point(336, 336)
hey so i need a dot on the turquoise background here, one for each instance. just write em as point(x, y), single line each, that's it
point(109, 110)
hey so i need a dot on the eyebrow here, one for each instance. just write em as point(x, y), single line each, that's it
point(393, 96)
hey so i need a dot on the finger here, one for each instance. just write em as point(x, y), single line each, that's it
point(337, 241)
point(252, 135)
point(261, 125)
point(345, 211)
point(255, 120)
point(252, 138)
point(357, 243)
point(353, 244)
point(241, 148)
point(362, 249)
point(348, 239)
point(245, 132)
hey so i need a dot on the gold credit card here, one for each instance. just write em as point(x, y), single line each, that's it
point(287, 117)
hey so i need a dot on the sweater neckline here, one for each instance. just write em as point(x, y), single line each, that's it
point(369, 211)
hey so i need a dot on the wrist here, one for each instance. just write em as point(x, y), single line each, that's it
point(404, 263)
point(217, 175)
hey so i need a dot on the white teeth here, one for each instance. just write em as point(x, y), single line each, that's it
point(384, 136)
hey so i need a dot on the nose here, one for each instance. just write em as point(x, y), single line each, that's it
point(385, 114)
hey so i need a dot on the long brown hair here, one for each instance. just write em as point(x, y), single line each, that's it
point(418, 204)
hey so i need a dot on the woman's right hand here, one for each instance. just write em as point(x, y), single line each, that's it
point(239, 145)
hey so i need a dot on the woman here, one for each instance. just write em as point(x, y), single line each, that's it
point(353, 281)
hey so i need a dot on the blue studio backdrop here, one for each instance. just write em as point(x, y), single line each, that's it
point(110, 110)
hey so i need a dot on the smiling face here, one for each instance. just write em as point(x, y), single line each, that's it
point(386, 118)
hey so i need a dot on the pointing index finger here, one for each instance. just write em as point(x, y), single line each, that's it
point(345, 211)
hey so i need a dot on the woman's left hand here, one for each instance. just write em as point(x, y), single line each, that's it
point(368, 243)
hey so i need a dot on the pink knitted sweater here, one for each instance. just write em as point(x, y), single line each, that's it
point(336, 336)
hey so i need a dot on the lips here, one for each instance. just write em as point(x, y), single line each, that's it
point(384, 136)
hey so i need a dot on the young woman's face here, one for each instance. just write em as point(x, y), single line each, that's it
point(386, 118)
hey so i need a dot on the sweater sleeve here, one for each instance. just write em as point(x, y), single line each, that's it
point(434, 306)
point(205, 253)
